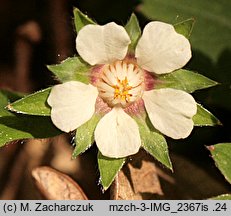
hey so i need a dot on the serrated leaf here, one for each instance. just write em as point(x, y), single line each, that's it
point(81, 19)
point(71, 69)
point(221, 155)
point(108, 168)
point(184, 80)
point(16, 126)
point(33, 104)
point(222, 197)
point(185, 27)
point(204, 118)
point(133, 29)
point(153, 142)
point(84, 137)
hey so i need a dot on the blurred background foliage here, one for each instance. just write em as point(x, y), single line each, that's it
point(53, 39)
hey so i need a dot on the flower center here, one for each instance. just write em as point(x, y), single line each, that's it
point(121, 83)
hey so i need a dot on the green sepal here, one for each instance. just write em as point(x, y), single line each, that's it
point(133, 29)
point(108, 168)
point(84, 137)
point(153, 142)
point(184, 80)
point(222, 197)
point(15, 126)
point(33, 104)
point(204, 118)
point(81, 19)
point(221, 155)
point(7, 97)
point(71, 69)
point(185, 27)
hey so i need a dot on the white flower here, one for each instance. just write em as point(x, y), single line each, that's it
point(121, 82)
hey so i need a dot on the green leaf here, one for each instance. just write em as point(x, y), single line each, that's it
point(184, 80)
point(153, 142)
point(23, 127)
point(81, 19)
point(108, 168)
point(33, 104)
point(221, 155)
point(7, 97)
point(133, 30)
point(85, 136)
point(222, 197)
point(185, 27)
point(16, 126)
point(211, 34)
point(10, 96)
point(204, 117)
point(71, 69)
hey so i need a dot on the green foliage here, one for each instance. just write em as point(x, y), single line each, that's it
point(221, 155)
point(108, 168)
point(212, 31)
point(185, 27)
point(33, 104)
point(85, 136)
point(5, 98)
point(153, 142)
point(134, 32)
point(184, 80)
point(71, 69)
point(15, 126)
point(80, 19)
point(222, 197)
point(204, 117)
point(10, 96)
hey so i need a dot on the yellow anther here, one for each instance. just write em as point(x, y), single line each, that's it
point(122, 90)
point(121, 83)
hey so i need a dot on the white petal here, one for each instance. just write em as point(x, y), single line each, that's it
point(102, 44)
point(73, 104)
point(119, 71)
point(117, 134)
point(109, 78)
point(171, 111)
point(161, 49)
point(105, 87)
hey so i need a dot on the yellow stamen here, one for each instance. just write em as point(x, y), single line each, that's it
point(123, 82)
point(122, 90)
